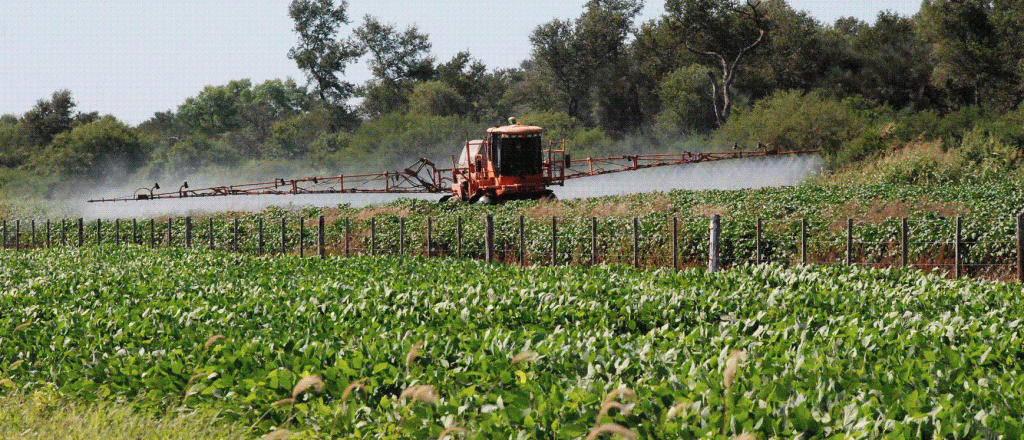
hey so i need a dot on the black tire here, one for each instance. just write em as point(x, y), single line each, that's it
point(549, 197)
point(445, 198)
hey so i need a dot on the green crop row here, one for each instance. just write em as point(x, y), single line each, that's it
point(417, 347)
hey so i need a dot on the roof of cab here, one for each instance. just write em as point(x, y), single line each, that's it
point(516, 129)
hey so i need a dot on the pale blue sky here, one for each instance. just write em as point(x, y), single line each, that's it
point(134, 58)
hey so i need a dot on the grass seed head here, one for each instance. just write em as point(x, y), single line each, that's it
point(355, 385)
point(213, 339)
point(280, 434)
point(732, 365)
point(525, 356)
point(414, 352)
point(623, 409)
point(678, 408)
point(614, 429)
point(306, 383)
point(623, 392)
point(423, 393)
point(285, 401)
point(23, 326)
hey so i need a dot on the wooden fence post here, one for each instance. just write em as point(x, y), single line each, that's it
point(302, 234)
point(170, 231)
point(259, 246)
point(675, 242)
point(209, 227)
point(715, 231)
point(1020, 247)
point(957, 257)
point(81, 232)
point(401, 236)
point(522, 240)
point(905, 241)
point(489, 238)
point(5, 235)
point(321, 247)
point(33, 233)
point(135, 231)
point(593, 241)
point(348, 233)
point(49, 244)
point(849, 242)
point(63, 233)
point(636, 242)
point(99, 232)
point(117, 232)
point(554, 240)
point(803, 241)
point(758, 236)
point(188, 232)
point(234, 235)
point(373, 236)
point(152, 232)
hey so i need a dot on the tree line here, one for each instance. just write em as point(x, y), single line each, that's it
point(706, 72)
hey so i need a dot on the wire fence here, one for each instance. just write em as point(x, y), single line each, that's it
point(977, 247)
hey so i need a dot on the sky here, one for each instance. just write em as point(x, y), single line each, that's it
point(132, 59)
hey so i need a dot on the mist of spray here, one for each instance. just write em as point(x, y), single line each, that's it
point(769, 171)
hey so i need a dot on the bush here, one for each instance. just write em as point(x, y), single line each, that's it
point(795, 120)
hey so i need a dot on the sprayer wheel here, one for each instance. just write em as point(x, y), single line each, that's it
point(486, 200)
point(445, 198)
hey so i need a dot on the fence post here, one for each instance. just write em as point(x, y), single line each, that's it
point(33, 233)
point(716, 224)
point(956, 247)
point(321, 248)
point(152, 232)
point(5, 235)
point(401, 236)
point(188, 232)
point(758, 235)
point(135, 231)
point(803, 241)
point(234, 235)
point(302, 233)
point(849, 242)
point(49, 244)
point(1020, 247)
point(905, 240)
point(99, 231)
point(430, 236)
point(209, 227)
point(373, 236)
point(675, 242)
point(348, 233)
point(554, 240)
point(636, 242)
point(63, 233)
point(170, 231)
point(17, 235)
point(489, 238)
point(522, 240)
point(284, 236)
point(259, 246)
point(593, 241)
point(458, 235)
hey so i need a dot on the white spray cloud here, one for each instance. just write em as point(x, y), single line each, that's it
point(773, 171)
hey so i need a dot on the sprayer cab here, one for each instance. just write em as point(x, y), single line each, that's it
point(510, 163)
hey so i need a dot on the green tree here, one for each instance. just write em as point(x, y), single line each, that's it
point(686, 101)
point(321, 54)
point(724, 32)
point(436, 98)
point(398, 60)
point(103, 149)
point(47, 119)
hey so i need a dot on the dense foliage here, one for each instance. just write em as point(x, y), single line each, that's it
point(515, 352)
point(706, 73)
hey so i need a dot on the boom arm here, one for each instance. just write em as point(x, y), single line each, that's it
point(617, 164)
